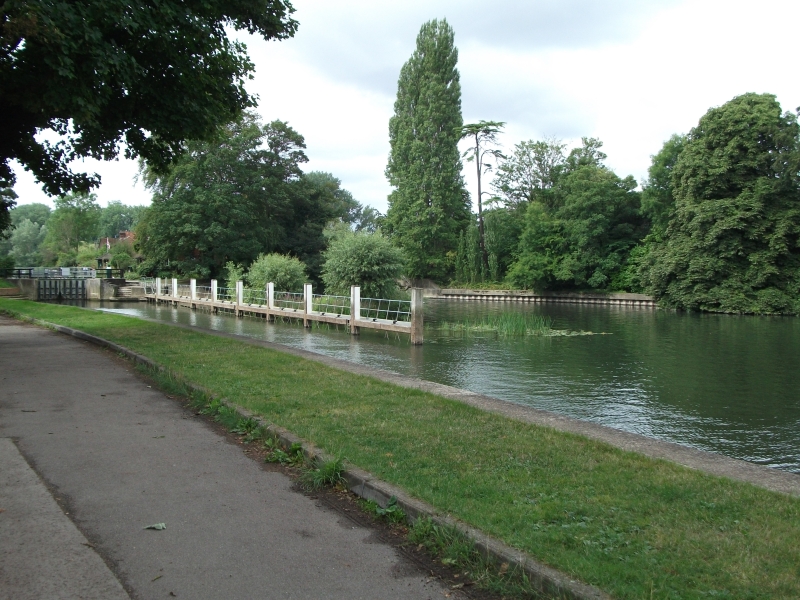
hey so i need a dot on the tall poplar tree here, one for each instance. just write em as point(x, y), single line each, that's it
point(429, 206)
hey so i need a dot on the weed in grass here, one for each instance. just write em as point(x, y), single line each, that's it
point(245, 426)
point(293, 457)
point(323, 474)
point(392, 512)
point(454, 549)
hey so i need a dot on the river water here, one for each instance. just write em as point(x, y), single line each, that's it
point(728, 384)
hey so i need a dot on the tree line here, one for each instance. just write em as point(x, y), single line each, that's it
point(69, 234)
point(715, 225)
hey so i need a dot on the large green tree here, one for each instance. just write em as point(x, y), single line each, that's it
point(733, 243)
point(581, 237)
point(117, 217)
point(530, 172)
point(236, 197)
point(429, 206)
point(75, 219)
point(658, 192)
point(110, 74)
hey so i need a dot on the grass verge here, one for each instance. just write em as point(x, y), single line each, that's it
point(6, 284)
point(633, 526)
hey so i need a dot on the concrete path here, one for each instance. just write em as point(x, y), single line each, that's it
point(89, 455)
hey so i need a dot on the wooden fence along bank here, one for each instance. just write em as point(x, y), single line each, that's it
point(354, 312)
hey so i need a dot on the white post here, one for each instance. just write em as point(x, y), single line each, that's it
point(307, 295)
point(270, 301)
point(174, 288)
point(158, 287)
point(213, 290)
point(416, 316)
point(355, 309)
point(239, 296)
point(193, 289)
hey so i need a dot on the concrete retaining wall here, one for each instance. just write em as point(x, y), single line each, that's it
point(632, 300)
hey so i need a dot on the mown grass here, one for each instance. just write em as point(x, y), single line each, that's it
point(636, 527)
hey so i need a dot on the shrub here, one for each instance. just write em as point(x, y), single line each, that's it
point(286, 272)
point(368, 260)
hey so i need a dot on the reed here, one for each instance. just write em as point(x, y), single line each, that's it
point(504, 324)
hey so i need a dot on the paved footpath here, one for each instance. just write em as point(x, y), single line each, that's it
point(79, 427)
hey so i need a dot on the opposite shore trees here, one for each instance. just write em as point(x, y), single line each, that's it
point(429, 206)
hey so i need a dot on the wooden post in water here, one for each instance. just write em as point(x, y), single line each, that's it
point(355, 309)
point(270, 301)
point(213, 295)
point(175, 291)
point(158, 288)
point(307, 306)
point(416, 316)
point(239, 298)
point(193, 291)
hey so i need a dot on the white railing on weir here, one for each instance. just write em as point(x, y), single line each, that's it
point(355, 311)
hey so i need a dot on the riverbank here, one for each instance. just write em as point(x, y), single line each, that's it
point(631, 525)
point(604, 299)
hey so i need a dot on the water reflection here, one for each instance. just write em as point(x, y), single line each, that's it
point(722, 383)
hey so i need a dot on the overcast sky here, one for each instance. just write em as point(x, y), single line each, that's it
point(630, 72)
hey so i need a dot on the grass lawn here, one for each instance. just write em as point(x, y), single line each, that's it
point(633, 526)
point(5, 284)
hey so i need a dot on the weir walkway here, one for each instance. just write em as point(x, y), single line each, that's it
point(354, 312)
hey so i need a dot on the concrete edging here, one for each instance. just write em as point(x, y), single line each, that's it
point(362, 483)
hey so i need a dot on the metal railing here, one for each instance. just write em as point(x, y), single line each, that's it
point(149, 285)
point(330, 305)
point(61, 273)
point(225, 294)
point(385, 310)
point(184, 290)
point(203, 292)
point(290, 300)
point(254, 296)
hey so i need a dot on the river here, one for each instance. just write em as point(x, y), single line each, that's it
point(728, 384)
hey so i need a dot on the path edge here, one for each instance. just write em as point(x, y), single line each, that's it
point(543, 578)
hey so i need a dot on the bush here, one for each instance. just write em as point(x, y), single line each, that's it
point(286, 272)
point(368, 260)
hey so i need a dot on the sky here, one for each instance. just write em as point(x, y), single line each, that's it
point(629, 72)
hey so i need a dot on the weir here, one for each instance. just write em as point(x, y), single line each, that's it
point(354, 312)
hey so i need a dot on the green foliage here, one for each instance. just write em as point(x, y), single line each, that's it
point(26, 238)
point(87, 255)
point(233, 273)
point(105, 74)
point(482, 136)
point(7, 202)
point(35, 212)
point(470, 268)
point(368, 260)
point(117, 217)
point(585, 239)
point(733, 243)
point(122, 254)
point(286, 272)
point(75, 219)
point(529, 173)
point(235, 198)
point(324, 473)
point(429, 206)
point(658, 199)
